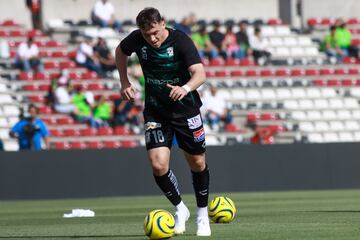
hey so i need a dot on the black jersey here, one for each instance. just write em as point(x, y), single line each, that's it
point(167, 64)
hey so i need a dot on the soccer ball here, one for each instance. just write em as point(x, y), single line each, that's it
point(159, 224)
point(222, 210)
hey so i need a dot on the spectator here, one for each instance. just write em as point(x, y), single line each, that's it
point(30, 131)
point(27, 57)
point(106, 59)
point(103, 111)
point(103, 15)
point(331, 46)
point(343, 36)
point(85, 56)
point(63, 102)
point(242, 38)
point(83, 113)
point(203, 44)
point(184, 25)
point(231, 46)
point(260, 54)
point(217, 37)
point(125, 113)
point(261, 135)
point(35, 8)
point(215, 109)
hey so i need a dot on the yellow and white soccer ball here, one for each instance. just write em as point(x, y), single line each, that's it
point(222, 210)
point(159, 224)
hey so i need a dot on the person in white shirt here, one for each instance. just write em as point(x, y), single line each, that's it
point(215, 109)
point(103, 15)
point(259, 46)
point(27, 57)
point(63, 100)
point(85, 56)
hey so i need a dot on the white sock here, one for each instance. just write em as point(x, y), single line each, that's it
point(181, 207)
point(202, 212)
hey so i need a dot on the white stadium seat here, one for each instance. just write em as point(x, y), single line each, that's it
point(344, 114)
point(313, 93)
point(253, 94)
point(238, 94)
point(282, 51)
point(352, 125)
point(329, 114)
point(351, 103)
point(336, 103)
point(298, 115)
point(290, 41)
point(321, 126)
point(282, 30)
point(291, 104)
point(330, 137)
point(346, 137)
point(298, 93)
point(321, 104)
point(297, 51)
point(306, 104)
point(3, 122)
point(283, 93)
point(11, 146)
point(315, 138)
point(336, 126)
point(268, 94)
point(11, 110)
point(328, 92)
point(314, 115)
point(276, 42)
point(355, 114)
point(306, 127)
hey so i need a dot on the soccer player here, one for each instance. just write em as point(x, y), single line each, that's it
point(173, 71)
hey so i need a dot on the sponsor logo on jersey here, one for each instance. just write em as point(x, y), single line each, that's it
point(194, 122)
point(199, 135)
point(152, 125)
point(144, 53)
point(163, 81)
point(170, 51)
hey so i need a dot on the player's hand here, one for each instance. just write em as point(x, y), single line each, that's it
point(128, 92)
point(177, 92)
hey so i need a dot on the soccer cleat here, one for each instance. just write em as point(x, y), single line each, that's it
point(203, 227)
point(180, 221)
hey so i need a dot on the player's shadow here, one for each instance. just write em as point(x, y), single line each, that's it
point(122, 236)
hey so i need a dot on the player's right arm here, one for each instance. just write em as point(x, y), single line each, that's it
point(127, 90)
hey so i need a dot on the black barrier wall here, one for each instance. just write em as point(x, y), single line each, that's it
point(98, 173)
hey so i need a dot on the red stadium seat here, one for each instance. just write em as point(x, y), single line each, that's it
point(49, 121)
point(354, 71)
point(325, 71)
point(128, 144)
point(355, 41)
point(111, 144)
point(45, 110)
point(4, 33)
point(236, 73)
point(326, 21)
point(334, 82)
point(65, 121)
point(67, 64)
point(313, 21)
point(251, 73)
point(319, 82)
point(89, 75)
point(29, 87)
point(71, 54)
point(9, 22)
point(58, 54)
point(349, 60)
point(221, 73)
point(266, 73)
point(95, 145)
point(311, 72)
point(26, 76)
point(36, 98)
point(105, 131)
point(95, 86)
point(55, 133)
point(274, 21)
point(231, 127)
point(347, 82)
point(281, 72)
point(70, 132)
point(41, 76)
point(267, 116)
point(88, 132)
point(17, 33)
point(232, 62)
point(339, 71)
point(252, 117)
point(353, 21)
point(35, 33)
point(44, 87)
point(77, 145)
point(61, 145)
point(216, 62)
point(120, 130)
point(246, 62)
point(114, 97)
point(53, 43)
point(49, 65)
point(296, 72)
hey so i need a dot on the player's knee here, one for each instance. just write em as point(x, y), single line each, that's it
point(159, 169)
point(198, 163)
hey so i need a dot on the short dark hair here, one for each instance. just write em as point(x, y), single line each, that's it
point(147, 17)
point(332, 27)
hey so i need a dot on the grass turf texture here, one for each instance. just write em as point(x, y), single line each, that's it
point(269, 215)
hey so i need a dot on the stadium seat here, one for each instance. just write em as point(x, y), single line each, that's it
point(36, 98)
point(236, 73)
point(61, 145)
point(111, 144)
point(45, 110)
point(105, 131)
point(77, 145)
point(49, 120)
point(67, 64)
point(128, 144)
point(95, 145)
point(314, 115)
point(352, 125)
point(88, 132)
point(298, 115)
point(329, 114)
point(344, 114)
point(65, 121)
point(89, 75)
point(29, 87)
point(121, 130)
point(55, 133)
point(25, 76)
point(336, 126)
point(69, 132)
point(41, 76)
point(44, 87)
point(315, 138)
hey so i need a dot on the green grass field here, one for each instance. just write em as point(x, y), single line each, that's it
point(270, 215)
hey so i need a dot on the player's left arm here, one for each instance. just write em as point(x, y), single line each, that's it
point(198, 77)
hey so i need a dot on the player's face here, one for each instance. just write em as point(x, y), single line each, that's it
point(156, 34)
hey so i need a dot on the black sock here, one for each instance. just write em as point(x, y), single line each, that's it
point(201, 186)
point(169, 185)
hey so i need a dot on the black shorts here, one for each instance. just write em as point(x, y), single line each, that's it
point(189, 132)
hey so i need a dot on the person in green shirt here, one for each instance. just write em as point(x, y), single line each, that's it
point(103, 111)
point(203, 44)
point(331, 46)
point(344, 37)
point(83, 113)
